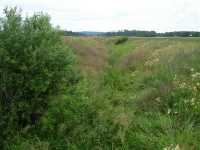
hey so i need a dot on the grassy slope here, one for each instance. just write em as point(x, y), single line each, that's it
point(141, 91)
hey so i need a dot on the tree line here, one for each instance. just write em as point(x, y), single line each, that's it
point(135, 33)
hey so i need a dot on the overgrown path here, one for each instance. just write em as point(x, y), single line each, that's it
point(92, 53)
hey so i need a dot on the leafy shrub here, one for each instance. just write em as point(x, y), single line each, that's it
point(121, 40)
point(34, 64)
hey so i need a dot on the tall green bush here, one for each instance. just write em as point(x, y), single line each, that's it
point(121, 40)
point(34, 65)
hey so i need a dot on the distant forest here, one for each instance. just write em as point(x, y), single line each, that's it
point(135, 33)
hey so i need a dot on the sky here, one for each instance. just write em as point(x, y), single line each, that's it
point(113, 15)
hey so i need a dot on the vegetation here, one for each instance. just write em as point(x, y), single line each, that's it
point(154, 34)
point(132, 33)
point(141, 94)
point(135, 33)
point(121, 40)
point(34, 65)
point(70, 33)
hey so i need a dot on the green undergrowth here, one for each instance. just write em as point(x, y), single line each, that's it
point(119, 51)
point(155, 106)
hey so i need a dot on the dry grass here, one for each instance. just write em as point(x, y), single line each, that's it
point(94, 54)
point(91, 53)
point(157, 51)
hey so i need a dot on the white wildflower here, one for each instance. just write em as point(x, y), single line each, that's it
point(175, 112)
point(177, 147)
point(196, 75)
point(192, 69)
point(169, 111)
point(158, 99)
point(182, 85)
point(172, 147)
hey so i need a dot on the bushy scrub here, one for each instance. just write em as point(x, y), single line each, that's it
point(34, 64)
point(121, 40)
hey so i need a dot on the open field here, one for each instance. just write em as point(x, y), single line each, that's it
point(146, 91)
point(96, 53)
point(96, 93)
point(136, 94)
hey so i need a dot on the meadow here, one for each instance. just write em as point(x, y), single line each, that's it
point(145, 91)
point(95, 93)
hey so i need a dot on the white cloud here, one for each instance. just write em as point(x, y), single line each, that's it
point(107, 15)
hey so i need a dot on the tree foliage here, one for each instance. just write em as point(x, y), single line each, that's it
point(138, 33)
point(34, 64)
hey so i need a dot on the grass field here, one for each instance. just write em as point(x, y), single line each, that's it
point(141, 94)
point(95, 93)
point(145, 91)
point(96, 53)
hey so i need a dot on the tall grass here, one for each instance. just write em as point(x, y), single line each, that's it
point(150, 102)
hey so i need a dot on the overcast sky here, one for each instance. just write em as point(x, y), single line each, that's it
point(112, 15)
